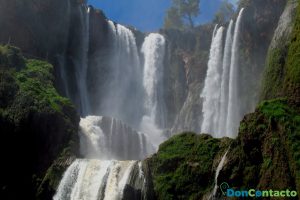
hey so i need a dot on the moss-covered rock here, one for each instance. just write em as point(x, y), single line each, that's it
point(184, 166)
point(37, 125)
point(266, 153)
point(281, 76)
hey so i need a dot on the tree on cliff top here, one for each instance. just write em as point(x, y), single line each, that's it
point(225, 12)
point(181, 13)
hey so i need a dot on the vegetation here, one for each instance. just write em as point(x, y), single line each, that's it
point(182, 168)
point(37, 122)
point(292, 78)
point(36, 80)
point(181, 14)
point(225, 13)
point(282, 74)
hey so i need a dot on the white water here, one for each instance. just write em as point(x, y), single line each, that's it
point(225, 82)
point(234, 115)
point(123, 85)
point(153, 50)
point(81, 63)
point(107, 138)
point(95, 180)
point(211, 91)
point(221, 106)
point(219, 168)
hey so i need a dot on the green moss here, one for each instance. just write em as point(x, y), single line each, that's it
point(36, 80)
point(292, 79)
point(182, 168)
point(288, 117)
point(11, 57)
point(282, 74)
point(274, 74)
point(40, 124)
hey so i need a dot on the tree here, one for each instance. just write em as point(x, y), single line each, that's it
point(173, 19)
point(182, 13)
point(225, 12)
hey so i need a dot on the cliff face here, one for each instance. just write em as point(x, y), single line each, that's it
point(264, 156)
point(53, 31)
point(183, 167)
point(188, 57)
point(281, 77)
point(37, 125)
point(260, 19)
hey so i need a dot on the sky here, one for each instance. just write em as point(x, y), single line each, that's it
point(148, 15)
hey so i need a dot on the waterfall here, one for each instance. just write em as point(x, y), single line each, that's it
point(107, 138)
point(96, 180)
point(219, 168)
point(211, 91)
point(225, 81)
point(153, 50)
point(234, 115)
point(81, 60)
point(221, 108)
point(122, 79)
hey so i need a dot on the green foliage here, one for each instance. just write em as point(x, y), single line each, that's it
point(292, 78)
point(36, 80)
point(182, 168)
point(173, 19)
point(8, 88)
point(11, 57)
point(182, 13)
point(274, 73)
point(225, 13)
point(39, 124)
point(281, 111)
point(282, 74)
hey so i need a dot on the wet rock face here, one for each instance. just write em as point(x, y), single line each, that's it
point(258, 25)
point(51, 30)
point(185, 67)
point(264, 154)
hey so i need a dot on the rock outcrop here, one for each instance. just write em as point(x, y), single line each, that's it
point(37, 125)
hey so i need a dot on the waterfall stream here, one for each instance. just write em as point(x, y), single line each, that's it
point(211, 91)
point(234, 116)
point(221, 107)
point(153, 50)
point(219, 168)
point(96, 180)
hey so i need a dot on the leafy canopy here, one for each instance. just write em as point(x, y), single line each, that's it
point(182, 14)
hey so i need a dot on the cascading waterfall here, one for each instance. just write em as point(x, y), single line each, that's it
point(99, 177)
point(211, 91)
point(95, 180)
point(221, 113)
point(107, 138)
point(153, 50)
point(109, 145)
point(123, 85)
point(225, 81)
point(234, 115)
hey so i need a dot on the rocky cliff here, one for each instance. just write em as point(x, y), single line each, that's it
point(281, 77)
point(38, 127)
point(264, 156)
point(53, 31)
